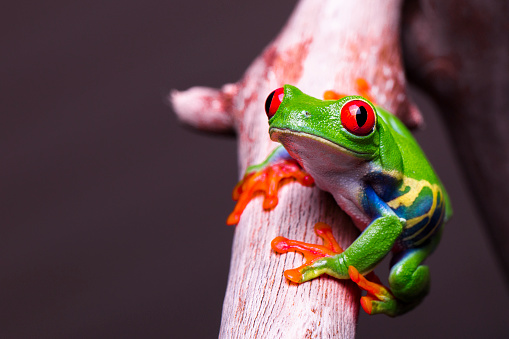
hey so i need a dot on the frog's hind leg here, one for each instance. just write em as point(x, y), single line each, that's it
point(408, 280)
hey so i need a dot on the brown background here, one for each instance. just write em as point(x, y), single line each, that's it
point(112, 214)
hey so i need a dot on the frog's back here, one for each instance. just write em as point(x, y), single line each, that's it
point(420, 197)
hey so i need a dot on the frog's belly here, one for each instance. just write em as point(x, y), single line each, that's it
point(354, 210)
point(346, 190)
point(334, 169)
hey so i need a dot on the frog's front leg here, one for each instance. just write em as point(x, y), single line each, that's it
point(363, 254)
point(266, 178)
point(359, 258)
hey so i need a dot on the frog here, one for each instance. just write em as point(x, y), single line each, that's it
point(370, 163)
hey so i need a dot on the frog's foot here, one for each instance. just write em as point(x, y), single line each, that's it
point(361, 86)
point(316, 256)
point(266, 180)
point(379, 298)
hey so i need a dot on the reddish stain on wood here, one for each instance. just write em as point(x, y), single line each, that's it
point(288, 64)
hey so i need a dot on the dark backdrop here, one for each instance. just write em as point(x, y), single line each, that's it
point(112, 214)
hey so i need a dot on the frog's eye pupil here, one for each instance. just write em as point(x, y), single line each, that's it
point(269, 101)
point(358, 117)
point(361, 116)
point(273, 101)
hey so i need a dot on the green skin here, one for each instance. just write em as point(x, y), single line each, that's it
point(382, 180)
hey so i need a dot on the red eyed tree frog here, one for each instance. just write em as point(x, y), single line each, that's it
point(377, 173)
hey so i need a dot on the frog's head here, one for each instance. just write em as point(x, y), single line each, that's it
point(332, 135)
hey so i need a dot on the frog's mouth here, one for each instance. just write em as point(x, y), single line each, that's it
point(290, 139)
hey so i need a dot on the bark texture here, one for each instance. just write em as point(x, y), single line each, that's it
point(326, 45)
point(458, 51)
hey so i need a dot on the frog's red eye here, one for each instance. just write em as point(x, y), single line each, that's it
point(273, 101)
point(358, 117)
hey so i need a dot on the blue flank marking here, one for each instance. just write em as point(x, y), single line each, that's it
point(375, 207)
point(385, 186)
point(428, 226)
point(420, 206)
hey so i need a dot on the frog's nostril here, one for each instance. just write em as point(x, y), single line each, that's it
point(273, 101)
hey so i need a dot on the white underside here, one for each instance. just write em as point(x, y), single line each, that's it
point(334, 168)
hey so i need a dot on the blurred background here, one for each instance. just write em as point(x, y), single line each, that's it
point(112, 218)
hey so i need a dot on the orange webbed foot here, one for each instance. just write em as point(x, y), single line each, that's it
point(362, 88)
point(312, 253)
point(267, 180)
point(379, 299)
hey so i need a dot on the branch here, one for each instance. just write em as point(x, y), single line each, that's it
point(326, 45)
point(205, 108)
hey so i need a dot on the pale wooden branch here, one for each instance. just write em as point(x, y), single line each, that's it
point(204, 108)
point(326, 45)
point(458, 51)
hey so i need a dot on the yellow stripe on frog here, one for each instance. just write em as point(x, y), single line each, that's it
point(407, 199)
point(439, 222)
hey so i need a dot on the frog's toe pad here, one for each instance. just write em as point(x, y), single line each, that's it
point(367, 303)
point(372, 306)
